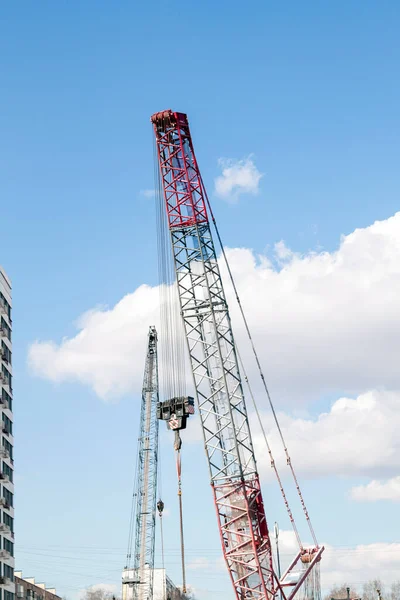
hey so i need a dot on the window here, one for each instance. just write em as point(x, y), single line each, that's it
point(7, 375)
point(8, 572)
point(8, 447)
point(8, 471)
point(8, 496)
point(7, 520)
point(6, 305)
point(7, 425)
point(6, 353)
point(6, 328)
point(8, 595)
point(7, 400)
point(9, 546)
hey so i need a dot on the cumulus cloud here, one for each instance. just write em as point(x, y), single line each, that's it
point(238, 177)
point(107, 353)
point(378, 490)
point(354, 565)
point(358, 436)
point(361, 564)
point(322, 322)
point(325, 322)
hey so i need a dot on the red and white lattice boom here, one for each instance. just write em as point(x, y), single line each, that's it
point(233, 472)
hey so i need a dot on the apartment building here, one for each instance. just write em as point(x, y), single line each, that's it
point(7, 586)
point(26, 588)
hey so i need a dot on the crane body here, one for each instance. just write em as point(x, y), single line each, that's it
point(140, 578)
point(214, 363)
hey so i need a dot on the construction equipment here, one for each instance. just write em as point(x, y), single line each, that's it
point(215, 367)
point(175, 412)
point(139, 579)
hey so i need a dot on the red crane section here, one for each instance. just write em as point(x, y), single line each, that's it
point(214, 362)
point(181, 182)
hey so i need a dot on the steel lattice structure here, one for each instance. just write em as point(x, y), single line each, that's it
point(147, 478)
point(227, 438)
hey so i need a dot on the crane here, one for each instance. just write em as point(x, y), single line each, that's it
point(217, 380)
point(138, 581)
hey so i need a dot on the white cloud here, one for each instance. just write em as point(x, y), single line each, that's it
point(352, 565)
point(107, 588)
point(356, 437)
point(108, 352)
point(323, 322)
point(148, 193)
point(238, 177)
point(358, 565)
point(378, 490)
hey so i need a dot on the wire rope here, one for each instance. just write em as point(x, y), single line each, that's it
point(179, 472)
point(273, 463)
point(260, 370)
point(173, 364)
point(173, 344)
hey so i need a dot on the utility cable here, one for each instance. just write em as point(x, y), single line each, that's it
point(261, 373)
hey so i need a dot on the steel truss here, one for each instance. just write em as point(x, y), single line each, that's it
point(234, 479)
point(147, 477)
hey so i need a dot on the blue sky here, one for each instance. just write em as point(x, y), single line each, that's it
point(308, 90)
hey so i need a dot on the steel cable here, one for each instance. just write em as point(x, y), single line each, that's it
point(261, 373)
point(173, 371)
point(178, 468)
point(273, 463)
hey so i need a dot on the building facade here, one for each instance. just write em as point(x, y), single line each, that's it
point(7, 586)
point(163, 587)
point(27, 589)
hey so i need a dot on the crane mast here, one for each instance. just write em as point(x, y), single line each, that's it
point(227, 439)
point(140, 579)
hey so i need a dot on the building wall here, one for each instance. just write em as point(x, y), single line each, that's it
point(27, 589)
point(7, 587)
point(163, 587)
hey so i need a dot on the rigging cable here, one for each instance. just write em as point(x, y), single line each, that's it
point(273, 464)
point(178, 445)
point(173, 348)
point(261, 373)
point(160, 508)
